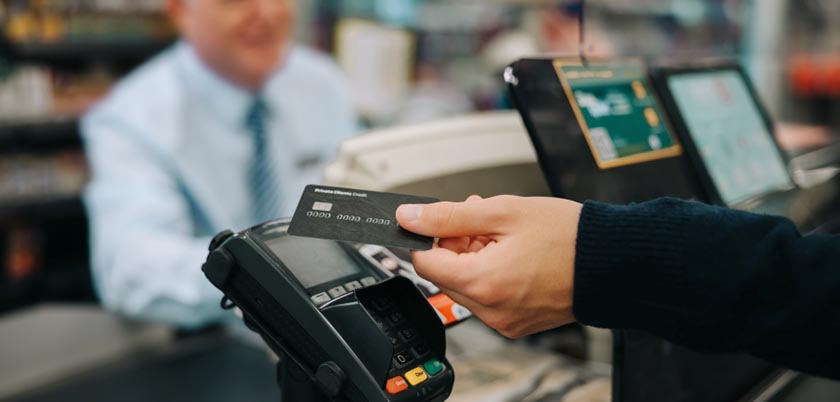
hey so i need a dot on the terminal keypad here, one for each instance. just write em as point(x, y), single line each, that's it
point(413, 362)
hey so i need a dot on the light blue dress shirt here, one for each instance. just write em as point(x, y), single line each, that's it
point(170, 153)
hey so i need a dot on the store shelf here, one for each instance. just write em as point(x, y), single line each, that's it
point(68, 282)
point(127, 51)
point(42, 210)
point(42, 132)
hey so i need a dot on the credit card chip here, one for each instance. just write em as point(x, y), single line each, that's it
point(322, 206)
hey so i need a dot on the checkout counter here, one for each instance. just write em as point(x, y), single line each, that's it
point(484, 154)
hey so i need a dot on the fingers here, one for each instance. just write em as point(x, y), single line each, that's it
point(445, 268)
point(461, 244)
point(465, 244)
point(452, 219)
point(477, 244)
point(456, 244)
point(474, 198)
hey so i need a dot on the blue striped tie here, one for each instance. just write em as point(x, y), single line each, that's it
point(264, 186)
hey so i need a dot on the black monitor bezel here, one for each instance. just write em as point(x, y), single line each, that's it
point(660, 76)
point(521, 74)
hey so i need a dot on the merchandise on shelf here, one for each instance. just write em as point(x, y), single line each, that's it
point(815, 75)
point(26, 92)
point(49, 21)
point(23, 247)
point(37, 178)
point(32, 92)
point(457, 51)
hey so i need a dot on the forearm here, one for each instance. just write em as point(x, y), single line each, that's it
point(713, 279)
point(146, 254)
point(157, 277)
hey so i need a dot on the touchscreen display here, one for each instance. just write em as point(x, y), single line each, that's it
point(731, 136)
point(618, 112)
point(312, 261)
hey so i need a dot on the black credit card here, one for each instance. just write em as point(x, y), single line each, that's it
point(359, 216)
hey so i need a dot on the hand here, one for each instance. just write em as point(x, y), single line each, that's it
point(510, 260)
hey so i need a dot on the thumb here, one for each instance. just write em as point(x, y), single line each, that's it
point(451, 219)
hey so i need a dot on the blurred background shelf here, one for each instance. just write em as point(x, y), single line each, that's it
point(126, 51)
point(39, 132)
point(40, 210)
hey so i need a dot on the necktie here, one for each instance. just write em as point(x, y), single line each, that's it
point(264, 186)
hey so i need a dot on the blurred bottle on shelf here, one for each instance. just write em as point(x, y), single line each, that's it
point(30, 92)
point(23, 249)
point(25, 92)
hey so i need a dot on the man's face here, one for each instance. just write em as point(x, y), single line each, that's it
point(243, 40)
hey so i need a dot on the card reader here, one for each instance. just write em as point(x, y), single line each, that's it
point(341, 331)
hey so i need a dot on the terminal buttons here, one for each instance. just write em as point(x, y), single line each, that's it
point(433, 367)
point(413, 362)
point(402, 359)
point(337, 291)
point(396, 318)
point(416, 376)
point(381, 304)
point(407, 334)
point(396, 385)
point(419, 350)
point(320, 298)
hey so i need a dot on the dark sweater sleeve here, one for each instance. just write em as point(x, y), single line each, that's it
point(713, 279)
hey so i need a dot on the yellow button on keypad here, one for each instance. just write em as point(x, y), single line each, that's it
point(416, 376)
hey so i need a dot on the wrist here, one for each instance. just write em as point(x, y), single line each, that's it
point(624, 258)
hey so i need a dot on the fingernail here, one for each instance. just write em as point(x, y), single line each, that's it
point(409, 212)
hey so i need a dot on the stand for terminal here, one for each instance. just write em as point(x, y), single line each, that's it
point(295, 385)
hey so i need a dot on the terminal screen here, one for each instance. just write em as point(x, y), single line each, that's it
point(619, 114)
point(731, 136)
point(312, 261)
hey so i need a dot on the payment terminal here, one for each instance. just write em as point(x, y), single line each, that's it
point(343, 330)
point(599, 130)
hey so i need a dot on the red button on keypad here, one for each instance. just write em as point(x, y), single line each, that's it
point(396, 385)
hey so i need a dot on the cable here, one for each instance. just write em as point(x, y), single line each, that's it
point(582, 33)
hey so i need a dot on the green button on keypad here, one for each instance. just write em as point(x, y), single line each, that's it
point(433, 367)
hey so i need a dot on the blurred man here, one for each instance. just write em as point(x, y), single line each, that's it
point(220, 131)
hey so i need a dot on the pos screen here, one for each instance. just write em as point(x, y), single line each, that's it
point(730, 133)
point(618, 112)
point(313, 261)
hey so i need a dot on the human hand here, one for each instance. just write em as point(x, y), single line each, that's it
point(510, 260)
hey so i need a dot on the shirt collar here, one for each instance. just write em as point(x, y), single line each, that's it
point(224, 98)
